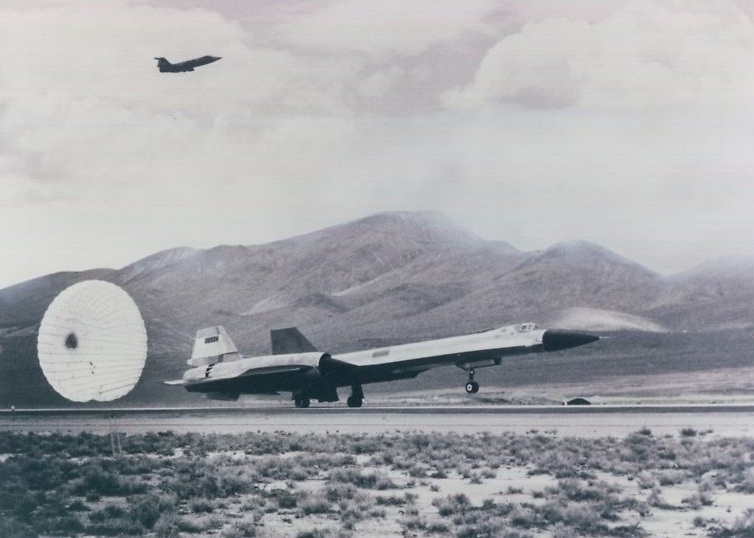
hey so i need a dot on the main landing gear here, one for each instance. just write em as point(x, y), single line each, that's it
point(357, 396)
point(301, 401)
point(472, 387)
point(356, 399)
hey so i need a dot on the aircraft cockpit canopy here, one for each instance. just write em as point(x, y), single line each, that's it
point(521, 328)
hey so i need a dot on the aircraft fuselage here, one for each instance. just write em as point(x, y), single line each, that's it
point(318, 375)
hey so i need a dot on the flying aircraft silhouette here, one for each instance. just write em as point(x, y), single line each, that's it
point(220, 372)
point(180, 67)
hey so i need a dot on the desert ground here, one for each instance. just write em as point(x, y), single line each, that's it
point(394, 470)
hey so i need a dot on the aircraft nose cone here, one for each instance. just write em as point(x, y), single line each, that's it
point(554, 340)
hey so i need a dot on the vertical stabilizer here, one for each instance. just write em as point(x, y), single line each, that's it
point(163, 65)
point(213, 345)
point(290, 340)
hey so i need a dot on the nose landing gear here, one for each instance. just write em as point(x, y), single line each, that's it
point(472, 387)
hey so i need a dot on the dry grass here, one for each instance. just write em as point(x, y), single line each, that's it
point(375, 485)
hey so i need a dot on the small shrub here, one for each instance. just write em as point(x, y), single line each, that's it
point(457, 503)
point(413, 521)
point(645, 480)
point(438, 474)
point(699, 499)
point(314, 533)
point(524, 517)
point(671, 477)
point(111, 511)
point(656, 500)
point(166, 527)
point(437, 527)
point(338, 492)
point(78, 506)
point(287, 500)
point(239, 530)
point(493, 527)
point(375, 480)
point(742, 527)
point(201, 506)
point(315, 505)
point(393, 500)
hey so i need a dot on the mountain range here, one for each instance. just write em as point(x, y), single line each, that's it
point(385, 279)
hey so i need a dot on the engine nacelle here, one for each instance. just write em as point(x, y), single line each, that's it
point(319, 382)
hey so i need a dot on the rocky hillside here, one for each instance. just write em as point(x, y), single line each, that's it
point(387, 278)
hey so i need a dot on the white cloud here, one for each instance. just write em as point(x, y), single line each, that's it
point(645, 55)
point(389, 27)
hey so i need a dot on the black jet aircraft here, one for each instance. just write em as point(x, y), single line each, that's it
point(219, 371)
point(166, 67)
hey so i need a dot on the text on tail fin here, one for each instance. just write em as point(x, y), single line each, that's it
point(213, 345)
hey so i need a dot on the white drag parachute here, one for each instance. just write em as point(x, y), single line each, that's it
point(92, 342)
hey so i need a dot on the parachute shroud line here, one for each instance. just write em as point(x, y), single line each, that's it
point(92, 342)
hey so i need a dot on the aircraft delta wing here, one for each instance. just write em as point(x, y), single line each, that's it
point(220, 372)
point(180, 67)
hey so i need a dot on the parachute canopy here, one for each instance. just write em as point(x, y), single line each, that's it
point(92, 343)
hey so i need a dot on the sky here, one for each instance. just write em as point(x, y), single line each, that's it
point(625, 123)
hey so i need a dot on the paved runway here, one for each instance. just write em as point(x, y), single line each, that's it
point(587, 421)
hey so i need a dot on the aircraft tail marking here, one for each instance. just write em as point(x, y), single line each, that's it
point(289, 340)
point(213, 345)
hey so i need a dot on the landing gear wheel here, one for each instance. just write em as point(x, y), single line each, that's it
point(357, 394)
point(301, 402)
point(472, 387)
